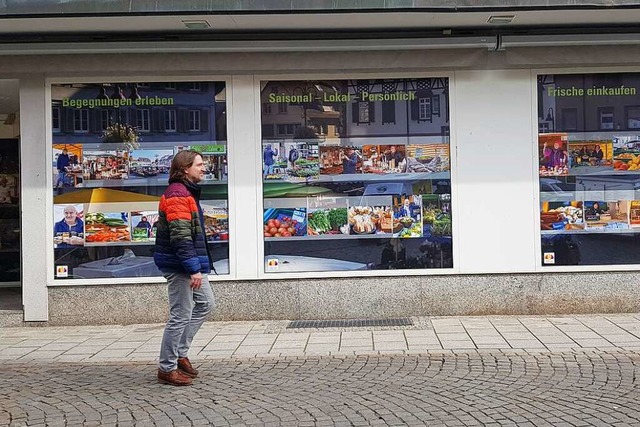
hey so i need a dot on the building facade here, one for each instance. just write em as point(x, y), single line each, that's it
point(455, 167)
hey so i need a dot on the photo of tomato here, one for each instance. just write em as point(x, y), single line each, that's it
point(285, 222)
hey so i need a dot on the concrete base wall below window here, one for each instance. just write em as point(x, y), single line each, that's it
point(375, 297)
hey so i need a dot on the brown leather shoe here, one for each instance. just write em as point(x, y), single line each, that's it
point(175, 377)
point(185, 366)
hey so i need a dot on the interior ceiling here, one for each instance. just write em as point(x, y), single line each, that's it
point(9, 98)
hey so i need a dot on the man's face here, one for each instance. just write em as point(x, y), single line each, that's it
point(393, 149)
point(64, 151)
point(70, 214)
point(196, 172)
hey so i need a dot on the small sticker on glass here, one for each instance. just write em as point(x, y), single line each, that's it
point(62, 271)
point(273, 264)
point(549, 258)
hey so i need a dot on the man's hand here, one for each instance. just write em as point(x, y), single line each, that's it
point(196, 280)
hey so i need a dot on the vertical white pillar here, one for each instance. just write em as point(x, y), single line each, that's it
point(36, 253)
point(245, 173)
point(495, 172)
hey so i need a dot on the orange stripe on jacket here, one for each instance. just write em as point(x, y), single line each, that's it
point(178, 208)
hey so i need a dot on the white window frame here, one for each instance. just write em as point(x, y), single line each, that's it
point(424, 108)
point(608, 124)
point(47, 261)
point(363, 112)
point(194, 121)
point(170, 121)
point(143, 119)
point(54, 128)
point(81, 118)
point(105, 121)
point(261, 273)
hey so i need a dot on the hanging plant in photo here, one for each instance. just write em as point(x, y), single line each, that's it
point(124, 134)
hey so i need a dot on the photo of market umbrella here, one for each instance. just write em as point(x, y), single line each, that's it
point(281, 189)
point(72, 149)
point(108, 200)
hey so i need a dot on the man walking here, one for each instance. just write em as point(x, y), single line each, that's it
point(182, 255)
point(61, 165)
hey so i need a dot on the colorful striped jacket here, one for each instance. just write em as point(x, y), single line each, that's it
point(181, 244)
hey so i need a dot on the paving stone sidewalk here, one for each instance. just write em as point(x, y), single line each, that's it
point(453, 371)
point(219, 340)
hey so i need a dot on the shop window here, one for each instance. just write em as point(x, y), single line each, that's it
point(590, 181)
point(424, 105)
point(105, 119)
point(340, 196)
point(283, 108)
point(633, 117)
point(435, 105)
point(388, 112)
point(109, 183)
point(363, 112)
point(194, 120)
point(55, 119)
point(606, 121)
point(81, 120)
point(267, 131)
point(143, 120)
point(286, 129)
point(569, 117)
point(266, 108)
point(170, 121)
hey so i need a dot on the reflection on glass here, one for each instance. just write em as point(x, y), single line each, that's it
point(356, 174)
point(589, 160)
point(113, 144)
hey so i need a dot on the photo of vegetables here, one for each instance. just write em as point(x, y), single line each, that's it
point(436, 216)
point(106, 227)
point(295, 161)
point(327, 221)
point(285, 222)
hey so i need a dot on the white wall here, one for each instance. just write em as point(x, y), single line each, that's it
point(493, 184)
point(492, 137)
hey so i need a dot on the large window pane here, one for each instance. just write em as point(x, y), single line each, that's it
point(111, 162)
point(356, 176)
point(589, 168)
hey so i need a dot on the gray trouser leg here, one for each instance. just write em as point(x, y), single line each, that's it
point(188, 309)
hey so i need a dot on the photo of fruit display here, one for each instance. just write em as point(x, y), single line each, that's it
point(553, 154)
point(106, 227)
point(216, 222)
point(590, 156)
point(284, 222)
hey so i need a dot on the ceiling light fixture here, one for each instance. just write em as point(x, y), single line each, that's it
point(199, 24)
point(500, 19)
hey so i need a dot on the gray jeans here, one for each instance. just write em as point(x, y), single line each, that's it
point(188, 309)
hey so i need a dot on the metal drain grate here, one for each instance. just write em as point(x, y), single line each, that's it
point(349, 323)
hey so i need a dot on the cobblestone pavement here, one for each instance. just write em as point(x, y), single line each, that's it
point(451, 388)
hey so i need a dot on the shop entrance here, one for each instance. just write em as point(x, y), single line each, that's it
point(10, 259)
